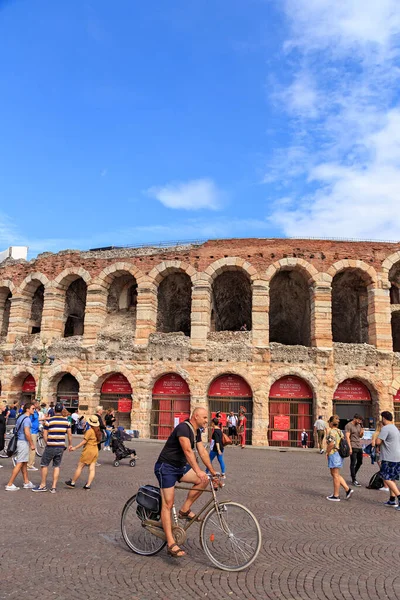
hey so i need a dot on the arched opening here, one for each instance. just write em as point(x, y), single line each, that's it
point(289, 309)
point(28, 390)
point(228, 393)
point(75, 306)
point(290, 411)
point(170, 405)
point(68, 392)
point(174, 303)
point(5, 308)
point(396, 407)
point(396, 331)
point(116, 393)
point(351, 397)
point(231, 302)
point(350, 307)
point(121, 305)
point(35, 323)
point(394, 278)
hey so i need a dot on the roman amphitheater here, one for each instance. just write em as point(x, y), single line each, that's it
point(289, 329)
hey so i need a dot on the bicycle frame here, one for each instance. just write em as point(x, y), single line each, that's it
point(155, 527)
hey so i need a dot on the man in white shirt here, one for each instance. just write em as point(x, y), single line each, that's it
point(232, 425)
point(388, 441)
point(320, 428)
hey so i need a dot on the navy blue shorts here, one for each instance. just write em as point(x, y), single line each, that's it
point(390, 471)
point(168, 475)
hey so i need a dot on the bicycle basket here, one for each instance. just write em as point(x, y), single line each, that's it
point(149, 498)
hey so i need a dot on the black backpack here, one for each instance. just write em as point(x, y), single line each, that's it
point(344, 448)
point(376, 482)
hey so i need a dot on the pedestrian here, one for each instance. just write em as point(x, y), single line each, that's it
point(320, 430)
point(232, 426)
point(81, 425)
point(89, 454)
point(217, 447)
point(304, 439)
point(354, 431)
point(23, 431)
point(109, 420)
point(388, 442)
point(99, 415)
point(335, 461)
point(50, 412)
point(375, 435)
point(35, 423)
point(54, 432)
point(242, 422)
point(44, 408)
point(2, 432)
point(74, 421)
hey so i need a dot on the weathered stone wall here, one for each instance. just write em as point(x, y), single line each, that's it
point(127, 340)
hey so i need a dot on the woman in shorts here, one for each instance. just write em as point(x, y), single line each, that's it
point(89, 454)
point(335, 461)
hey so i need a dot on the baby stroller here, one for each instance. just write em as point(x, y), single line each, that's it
point(120, 450)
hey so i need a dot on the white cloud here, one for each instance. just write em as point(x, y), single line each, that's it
point(350, 149)
point(190, 195)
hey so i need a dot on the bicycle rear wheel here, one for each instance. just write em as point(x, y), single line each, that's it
point(230, 536)
point(39, 446)
point(136, 535)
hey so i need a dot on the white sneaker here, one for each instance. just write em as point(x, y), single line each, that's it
point(1, 466)
point(28, 486)
point(32, 469)
point(11, 488)
point(383, 489)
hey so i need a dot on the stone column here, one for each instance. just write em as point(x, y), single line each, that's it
point(53, 320)
point(19, 317)
point(260, 416)
point(379, 316)
point(260, 313)
point(321, 314)
point(146, 312)
point(201, 314)
point(96, 308)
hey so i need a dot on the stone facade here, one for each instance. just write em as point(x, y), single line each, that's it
point(136, 349)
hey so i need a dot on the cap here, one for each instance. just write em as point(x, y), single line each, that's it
point(58, 407)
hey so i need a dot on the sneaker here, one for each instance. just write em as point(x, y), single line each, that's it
point(1, 466)
point(37, 488)
point(355, 482)
point(28, 486)
point(69, 483)
point(53, 491)
point(383, 489)
point(2, 455)
point(32, 469)
point(98, 464)
point(11, 488)
point(390, 503)
point(321, 451)
point(398, 507)
point(349, 493)
point(86, 487)
point(333, 498)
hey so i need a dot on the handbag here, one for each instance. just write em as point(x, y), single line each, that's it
point(226, 440)
point(12, 444)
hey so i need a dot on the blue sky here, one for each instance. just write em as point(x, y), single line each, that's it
point(129, 122)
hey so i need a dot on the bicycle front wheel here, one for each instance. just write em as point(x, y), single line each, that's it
point(135, 533)
point(230, 536)
point(39, 446)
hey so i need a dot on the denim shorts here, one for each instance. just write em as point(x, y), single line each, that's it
point(54, 454)
point(168, 475)
point(390, 471)
point(335, 461)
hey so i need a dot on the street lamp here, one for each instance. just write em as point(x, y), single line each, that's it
point(42, 359)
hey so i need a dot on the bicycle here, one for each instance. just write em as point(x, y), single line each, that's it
point(229, 532)
point(40, 444)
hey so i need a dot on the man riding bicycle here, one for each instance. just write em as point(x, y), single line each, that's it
point(177, 463)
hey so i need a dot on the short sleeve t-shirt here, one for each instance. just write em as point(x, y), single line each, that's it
point(390, 447)
point(56, 428)
point(172, 452)
point(320, 425)
point(217, 437)
point(354, 430)
point(22, 422)
point(335, 435)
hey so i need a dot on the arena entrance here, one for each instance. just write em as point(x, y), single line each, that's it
point(170, 405)
point(290, 411)
point(228, 393)
point(28, 390)
point(352, 397)
point(396, 409)
point(68, 392)
point(116, 393)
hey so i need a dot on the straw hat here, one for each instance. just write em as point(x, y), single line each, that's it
point(94, 421)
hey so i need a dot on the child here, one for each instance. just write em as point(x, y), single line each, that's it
point(304, 439)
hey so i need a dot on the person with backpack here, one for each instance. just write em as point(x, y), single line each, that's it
point(334, 444)
point(23, 432)
point(354, 431)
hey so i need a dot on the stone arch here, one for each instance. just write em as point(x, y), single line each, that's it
point(31, 302)
point(107, 275)
point(174, 302)
point(394, 386)
point(66, 277)
point(308, 377)
point(157, 374)
point(351, 302)
point(6, 293)
point(230, 263)
point(290, 302)
point(368, 272)
point(18, 375)
point(288, 264)
point(28, 285)
point(370, 383)
point(159, 272)
point(231, 297)
point(389, 261)
point(237, 371)
point(56, 373)
point(102, 373)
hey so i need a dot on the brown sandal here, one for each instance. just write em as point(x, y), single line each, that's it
point(179, 553)
point(185, 515)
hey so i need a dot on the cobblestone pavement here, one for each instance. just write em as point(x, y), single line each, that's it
point(68, 545)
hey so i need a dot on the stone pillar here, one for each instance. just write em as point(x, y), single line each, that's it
point(96, 308)
point(260, 313)
point(19, 317)
point(379, 317)
point(201, 314)
point(146, 312)
point(260, 417)
point(321, 314)
point(53, 320)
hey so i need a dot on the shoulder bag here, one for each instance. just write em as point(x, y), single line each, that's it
point(226, 440)
point(12, 444)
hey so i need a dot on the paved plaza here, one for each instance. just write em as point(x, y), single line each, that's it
point(68, 545)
